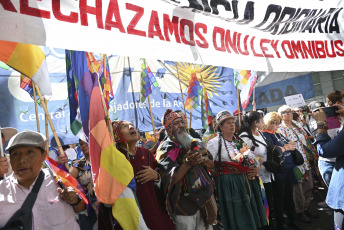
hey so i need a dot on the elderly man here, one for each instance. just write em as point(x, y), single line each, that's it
point(185, 181)
point(32, 191)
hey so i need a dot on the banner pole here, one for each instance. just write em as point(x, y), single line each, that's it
point(2, 154)
point(36, 106)
point(46, 125)
point(151, 114)
point(181, 92)
point(50, 123)
point(190, 118)
point(107, 118)
point(238, 99)
point(254, 97)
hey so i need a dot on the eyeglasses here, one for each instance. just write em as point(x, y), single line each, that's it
point(275, 123)
point(287, 112)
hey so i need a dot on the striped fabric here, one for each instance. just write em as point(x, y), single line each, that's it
point(28, 60)
point(112, 172)
point(194, 91)
point(26, 84)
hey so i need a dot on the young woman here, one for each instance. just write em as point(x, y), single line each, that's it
point(252, 123)
point(240, 202)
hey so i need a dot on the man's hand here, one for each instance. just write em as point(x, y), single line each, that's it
point(319, 115)
point(69, 195)
point(193, 158)
point(147, 174)
point(340, 109)
point(62, 159)
point(3, 166)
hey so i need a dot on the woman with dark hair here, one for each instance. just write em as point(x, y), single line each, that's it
point(239, 198)
point(252, 123)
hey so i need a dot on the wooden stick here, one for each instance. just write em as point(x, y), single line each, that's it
point(50, 121)
point(108, 121)
point(46, 125)
point(181, 92)
point(2, 154)
point(253, 101)
point(190, 117)
point(238, 98)
point(151, 114)
point(36, 106)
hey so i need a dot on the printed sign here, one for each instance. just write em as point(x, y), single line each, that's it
point(295, 101)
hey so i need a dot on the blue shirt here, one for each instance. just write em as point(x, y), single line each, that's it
point(333, 148)
point(279, 140)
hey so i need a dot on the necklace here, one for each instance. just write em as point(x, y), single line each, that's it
point(233, 144)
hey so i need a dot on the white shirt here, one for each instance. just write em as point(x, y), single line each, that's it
point(49, 211)
point(213, 147)
point(261, 152)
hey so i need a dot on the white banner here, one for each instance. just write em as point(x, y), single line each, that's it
point(254, 35)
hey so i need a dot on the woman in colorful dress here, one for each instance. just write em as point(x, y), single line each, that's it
point(303, 185)
point(81, 170)
point(240, 201)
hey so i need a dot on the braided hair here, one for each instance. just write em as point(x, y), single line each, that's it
point(248, 121)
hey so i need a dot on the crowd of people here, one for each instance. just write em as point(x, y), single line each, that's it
point(247, 175)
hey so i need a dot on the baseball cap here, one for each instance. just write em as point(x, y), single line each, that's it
point(27, 138)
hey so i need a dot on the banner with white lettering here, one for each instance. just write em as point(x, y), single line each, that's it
point(275, 36)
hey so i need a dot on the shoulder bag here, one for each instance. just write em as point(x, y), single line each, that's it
point(22, 219)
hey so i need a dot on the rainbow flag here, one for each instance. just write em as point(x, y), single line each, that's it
point(79, 83)
point(26, 84)
point(241, 78)
point(65, 178)
point(148, 81)
point(28, 60)
point(205, 109)
point(265, 200)
point(194, 90)
point(105, 79)
point(246, 92)
point(112, 172)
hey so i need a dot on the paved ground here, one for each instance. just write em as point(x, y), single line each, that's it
point(325, 220)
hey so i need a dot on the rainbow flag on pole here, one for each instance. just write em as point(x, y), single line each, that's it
point(194, 91)
point(28, 60)
point(112, 172)
point(246, 92)
point(105, 79)
point(241, 78)
point(148, 81)
point(205, 109)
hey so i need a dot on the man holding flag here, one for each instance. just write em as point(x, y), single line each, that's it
point(29, 198)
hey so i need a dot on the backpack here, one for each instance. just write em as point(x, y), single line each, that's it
point(275, 158)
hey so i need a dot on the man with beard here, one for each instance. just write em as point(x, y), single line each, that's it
point(184, 179)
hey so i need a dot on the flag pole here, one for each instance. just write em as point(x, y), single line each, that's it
point(46, 125)
point(181, 92)
point(190, 118)
point(50, 122)
point(238, 99)
point(254, 96)
point(151, 114)
point(36, 106)
point(2, 154)
point(107, 118)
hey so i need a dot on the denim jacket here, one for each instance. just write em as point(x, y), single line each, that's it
point(333, 148)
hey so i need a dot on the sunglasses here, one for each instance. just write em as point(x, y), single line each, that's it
point(287, 112)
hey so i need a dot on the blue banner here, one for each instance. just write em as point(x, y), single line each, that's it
point(273, 94)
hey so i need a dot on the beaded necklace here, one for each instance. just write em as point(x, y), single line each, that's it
point(233, 143)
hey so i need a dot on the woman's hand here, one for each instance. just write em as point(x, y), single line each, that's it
point(319, 115)
point(147, 174)
point(253, 171)
point(340, 109)
point(291, 146)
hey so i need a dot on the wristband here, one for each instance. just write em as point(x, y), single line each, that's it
point(322, 125)
point(159, 178)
